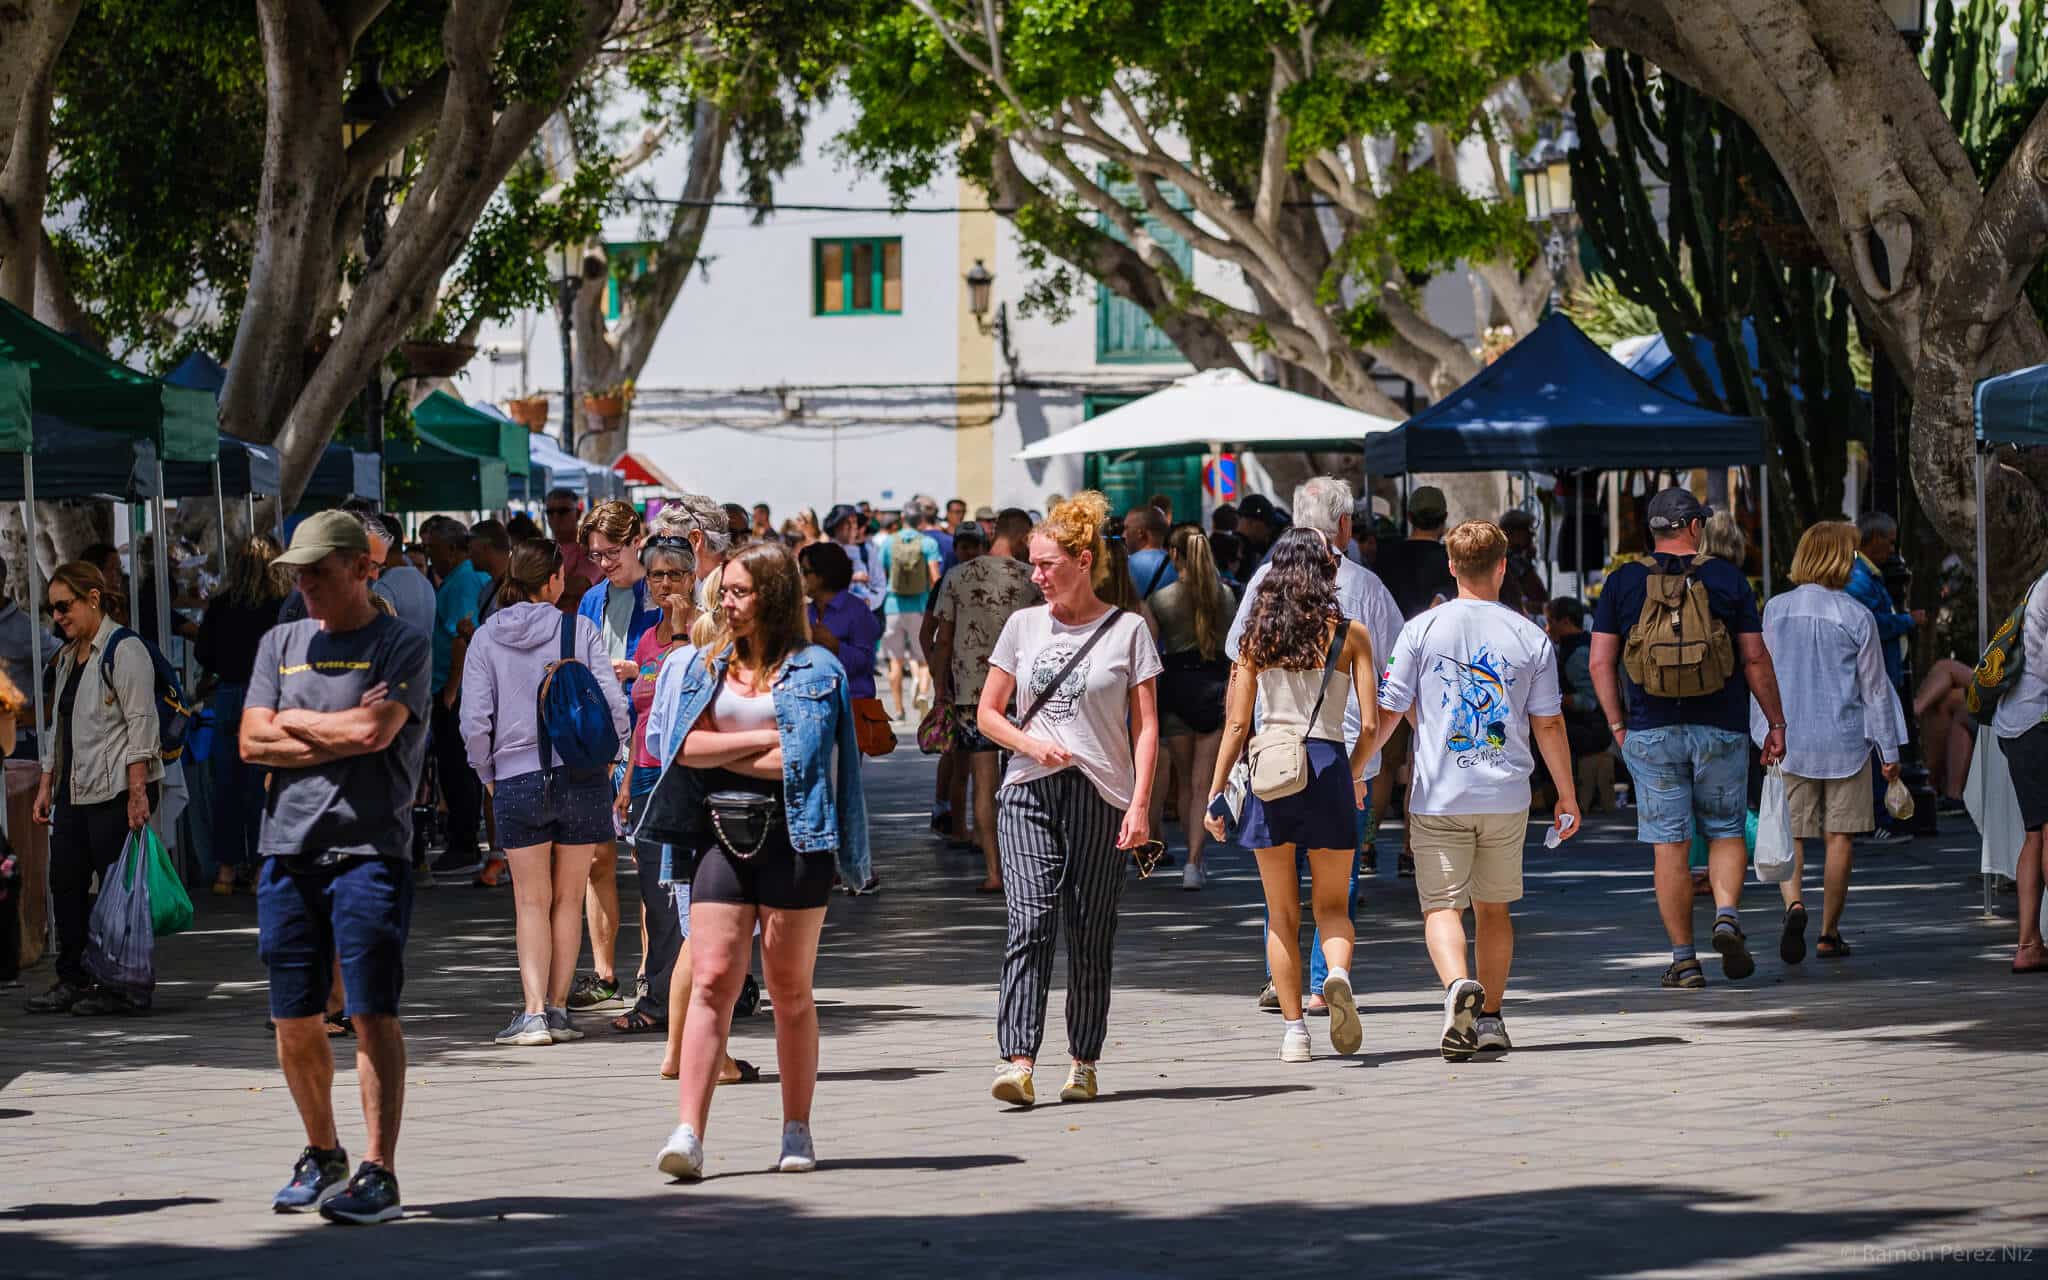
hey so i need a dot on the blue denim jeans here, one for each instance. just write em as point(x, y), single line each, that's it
point(237, 787)
point(1319, 968)
point(1687, 773)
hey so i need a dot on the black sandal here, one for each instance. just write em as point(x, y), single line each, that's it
point(1831, 947)
point(749, 1073)
point(338, 1025)
point(1685, 975)
point(636, 1022)
point(1792, 943)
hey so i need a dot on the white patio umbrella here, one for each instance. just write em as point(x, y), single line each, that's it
point(1217, 407)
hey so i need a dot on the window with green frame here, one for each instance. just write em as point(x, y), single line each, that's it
point(629, 261)
point(1124, 334)
point(1130, 481)
point(857, 277)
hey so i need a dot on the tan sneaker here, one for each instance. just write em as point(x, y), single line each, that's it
point(1080, 1085)
point(1013, 1085)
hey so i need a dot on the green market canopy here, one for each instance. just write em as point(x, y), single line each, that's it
point(473, 431)
point(432, 474)
point(80, 386)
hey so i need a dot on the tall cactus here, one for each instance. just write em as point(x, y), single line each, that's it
point(1729, 246)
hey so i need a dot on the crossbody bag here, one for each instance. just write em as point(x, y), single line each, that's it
point(1279, 755)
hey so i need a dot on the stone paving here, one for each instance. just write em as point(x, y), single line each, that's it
point(1871, 1116)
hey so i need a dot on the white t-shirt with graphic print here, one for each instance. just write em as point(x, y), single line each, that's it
point(1474, 671)
point(1089, 714)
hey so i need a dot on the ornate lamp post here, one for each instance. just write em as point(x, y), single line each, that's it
point(1547, 198)
point(569, 279)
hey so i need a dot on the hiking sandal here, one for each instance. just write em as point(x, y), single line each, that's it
point(1831, 947)
point(1686, 975)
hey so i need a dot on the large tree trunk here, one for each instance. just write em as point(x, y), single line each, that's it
point(31, 38)
point(1882, 180)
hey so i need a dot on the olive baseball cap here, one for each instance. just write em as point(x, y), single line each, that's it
point(1427, 500)
point(324, 534)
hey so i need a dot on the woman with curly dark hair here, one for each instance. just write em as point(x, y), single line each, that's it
point(1296, 644)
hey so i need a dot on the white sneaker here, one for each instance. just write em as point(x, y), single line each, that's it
point(798, 1155)
point(1461, 1010)
point(1345, 1032)
point(1294, 1045)
point(683, 1157)
point(1192, 876)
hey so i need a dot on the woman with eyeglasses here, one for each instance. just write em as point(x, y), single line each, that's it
point(1297, 656)
point(763, 748)
point(102, 766)
point(1077, 794)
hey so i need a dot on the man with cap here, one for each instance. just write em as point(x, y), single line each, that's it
point(1689, 756)
point(1415, 568)
point(845, 525)
point(337, 712)
point(1259, 523)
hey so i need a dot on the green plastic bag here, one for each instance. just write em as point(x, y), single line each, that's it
point(170, 907)
point(1698, 855)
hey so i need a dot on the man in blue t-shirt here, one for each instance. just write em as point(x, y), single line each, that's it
point(1145, 539)
point(911, 561)
point(455, 601)
point(1689, 757)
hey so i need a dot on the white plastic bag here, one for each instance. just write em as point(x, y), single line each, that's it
point(1898, 801)
point(1774, 847)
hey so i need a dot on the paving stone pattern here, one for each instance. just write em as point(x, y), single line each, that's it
point(1871, 1116)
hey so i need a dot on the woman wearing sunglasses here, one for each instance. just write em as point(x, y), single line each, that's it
point(764, 756)
point(1076, 794)
point(102, 763)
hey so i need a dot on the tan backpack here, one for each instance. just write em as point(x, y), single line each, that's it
point(1677, 648)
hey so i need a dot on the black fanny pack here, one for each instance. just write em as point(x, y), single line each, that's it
point(743, 820)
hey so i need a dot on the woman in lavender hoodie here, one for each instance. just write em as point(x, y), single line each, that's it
point(549, 822)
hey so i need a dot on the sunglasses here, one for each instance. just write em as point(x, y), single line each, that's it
point(62, 607)
point(1149, 855)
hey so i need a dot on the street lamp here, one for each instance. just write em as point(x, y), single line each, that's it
point(569, 280)
point(1547, 198)
point(367, 104)
point(1909, 19)
point(980, 284)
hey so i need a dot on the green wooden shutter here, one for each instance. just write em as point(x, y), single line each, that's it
point(1124, 333)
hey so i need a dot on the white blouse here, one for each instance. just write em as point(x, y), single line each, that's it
point(1838, 703)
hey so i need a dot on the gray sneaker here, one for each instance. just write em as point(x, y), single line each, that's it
point(526, 1029)
point(560, 1029)
point(1492, 1033)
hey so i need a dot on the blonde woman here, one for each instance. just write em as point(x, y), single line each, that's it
point(1078, 791)
point(1193, 614)
point(1839, 706)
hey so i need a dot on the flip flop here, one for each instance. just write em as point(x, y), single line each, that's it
point(1831, 947)
point(634, 1022)
point(748, 1073)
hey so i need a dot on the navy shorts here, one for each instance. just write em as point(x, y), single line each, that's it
point(359, 909)
point(533, 809)
point(1322, 815)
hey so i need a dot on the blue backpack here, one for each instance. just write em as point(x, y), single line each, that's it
point(173, 717)
point(574, 719)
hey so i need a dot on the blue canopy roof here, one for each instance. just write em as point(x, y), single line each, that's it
point(1555, 400)
point(2012, 408)
point(78, 462)
point(199, 371)
point(244, 469)
point(341, 474)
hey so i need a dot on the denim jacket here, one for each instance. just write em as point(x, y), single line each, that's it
point(814, 713)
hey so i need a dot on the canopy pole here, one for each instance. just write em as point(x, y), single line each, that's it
point(160, 560)
point(1763, 472)
point(35, 590)
point(249, 504)
point(1405, 481)
point(135, 523)
point(1983, 591)
point(1549, 555)
point(1579, 533)
point(220, 506)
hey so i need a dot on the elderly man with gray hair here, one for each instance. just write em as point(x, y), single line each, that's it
point(1324, 504)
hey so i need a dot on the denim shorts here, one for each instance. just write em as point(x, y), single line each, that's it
point(359, 909)
point(534, 808)
point(1687, 771)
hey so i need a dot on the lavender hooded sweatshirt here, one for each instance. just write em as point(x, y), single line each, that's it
point(501, 677)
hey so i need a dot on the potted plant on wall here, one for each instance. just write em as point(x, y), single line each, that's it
point(530, 412)
point(609, 403)
point(429, 353)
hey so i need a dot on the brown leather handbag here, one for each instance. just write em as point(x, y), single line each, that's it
point(871, 727)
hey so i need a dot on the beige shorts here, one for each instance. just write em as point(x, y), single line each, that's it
point(1843, 806)
point(1467, 856)
point(899, 638)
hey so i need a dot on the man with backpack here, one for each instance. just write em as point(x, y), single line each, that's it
point(337, 711)
point(1686, 632)
point(911, 561)
point(2014, 675)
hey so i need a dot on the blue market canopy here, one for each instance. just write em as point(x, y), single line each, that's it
point(2012, 408)
point(199, 371)
point(1555, 400)
point(245, 469)
point(75, 462)
point(341, 474)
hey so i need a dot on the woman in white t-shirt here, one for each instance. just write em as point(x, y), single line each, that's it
point(1077, 791)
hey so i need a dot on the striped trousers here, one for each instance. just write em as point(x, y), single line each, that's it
point(1057, 837)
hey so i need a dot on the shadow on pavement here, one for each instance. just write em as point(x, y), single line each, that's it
point(104, 1209)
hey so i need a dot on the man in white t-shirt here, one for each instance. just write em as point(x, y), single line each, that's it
point(1476, 680)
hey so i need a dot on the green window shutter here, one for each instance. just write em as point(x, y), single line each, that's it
point(1124, 333)
point(1129, 482)
point(857, 277)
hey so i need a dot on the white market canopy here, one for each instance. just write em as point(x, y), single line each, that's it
point(1216, 406)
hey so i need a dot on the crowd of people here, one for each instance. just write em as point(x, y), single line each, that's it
point(698, 689)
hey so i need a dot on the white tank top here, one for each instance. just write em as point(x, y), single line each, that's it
point(1287, 697)
point(735, 712)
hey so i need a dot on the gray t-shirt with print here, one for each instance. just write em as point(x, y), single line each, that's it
point(360, 806)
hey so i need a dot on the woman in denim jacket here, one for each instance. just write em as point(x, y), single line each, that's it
point(763, 711)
